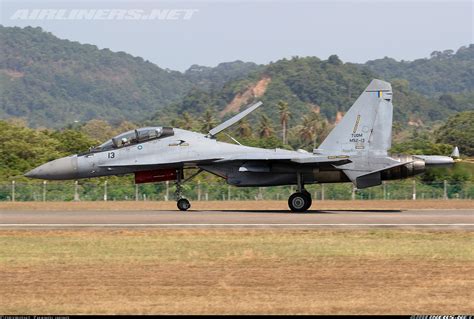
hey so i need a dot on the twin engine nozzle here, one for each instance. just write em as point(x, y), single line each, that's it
point(415, 164)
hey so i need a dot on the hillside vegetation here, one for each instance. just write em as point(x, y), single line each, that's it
point(309, 84)
point(444, 72)
point(51, 82)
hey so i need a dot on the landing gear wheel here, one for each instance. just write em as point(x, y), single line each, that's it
point(183, 204)
point(299, 202)
point(310, 199)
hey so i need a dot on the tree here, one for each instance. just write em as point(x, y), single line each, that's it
point(266, 127)
point(306, 130)
point(186, 121)
point(334, 59)
point(22, 148)
point(124, 126)
point(98, 129)
point(244, 129)
point(313, 129)
point(208, 120)
point(285, 115)
point(458, 131)
point(73, 141)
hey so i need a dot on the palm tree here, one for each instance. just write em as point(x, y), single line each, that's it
point(285, 115)
point(208, 120)
point(320, 128)
point(186, 122)
point(313, 129)
point(306, 130)
point(266, 127)
point(244, 129)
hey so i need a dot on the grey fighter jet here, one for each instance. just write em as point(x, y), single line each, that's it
point(355, 151)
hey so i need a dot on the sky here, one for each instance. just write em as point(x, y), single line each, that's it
point(178, 34)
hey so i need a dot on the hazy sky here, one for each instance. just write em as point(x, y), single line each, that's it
point(260, 31)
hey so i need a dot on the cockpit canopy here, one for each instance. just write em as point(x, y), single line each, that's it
point(140, 135)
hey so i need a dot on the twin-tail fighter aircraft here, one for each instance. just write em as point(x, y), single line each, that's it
point(356, 151)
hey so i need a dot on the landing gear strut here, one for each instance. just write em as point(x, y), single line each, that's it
point(301, 200)
point(182, 203)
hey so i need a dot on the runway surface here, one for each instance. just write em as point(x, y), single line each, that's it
point(430, 219)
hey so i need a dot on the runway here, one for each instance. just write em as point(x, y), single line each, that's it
point(429, 219)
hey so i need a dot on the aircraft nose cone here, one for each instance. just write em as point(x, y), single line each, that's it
point(62, 168)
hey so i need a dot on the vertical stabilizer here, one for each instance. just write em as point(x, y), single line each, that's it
point(367, 125)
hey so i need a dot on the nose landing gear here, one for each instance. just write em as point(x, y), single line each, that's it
point(183, 203)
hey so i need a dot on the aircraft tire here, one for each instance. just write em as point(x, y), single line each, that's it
point(183, 204)
point(300, 202)
point(310, 199)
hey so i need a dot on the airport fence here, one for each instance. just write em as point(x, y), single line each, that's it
point(204, 191)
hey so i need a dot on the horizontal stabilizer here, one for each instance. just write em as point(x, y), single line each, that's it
point(364, 179)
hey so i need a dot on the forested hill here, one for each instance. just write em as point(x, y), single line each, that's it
point(212, 78)
point(53, 82)
point(444, 72)
point(327, 86)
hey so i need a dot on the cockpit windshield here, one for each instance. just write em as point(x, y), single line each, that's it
point(134, 137)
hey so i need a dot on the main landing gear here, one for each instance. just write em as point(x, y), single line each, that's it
point(301, 200)
point(182, 202)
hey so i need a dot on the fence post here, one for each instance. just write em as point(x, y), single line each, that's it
point(322, 191)
point(228, 192)
point(76, 192)
point(445, 189)
point(414, 189)
point(353, 192)
point(384, 186)
point(44, 191)
point(105, 191)
point(13, 191)
point(167, 196)
point(199, 190)
point(136, 192)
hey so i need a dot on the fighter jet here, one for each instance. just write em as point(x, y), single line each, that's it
point(356, 151)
